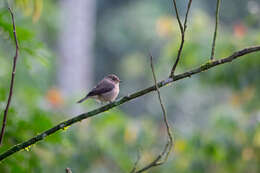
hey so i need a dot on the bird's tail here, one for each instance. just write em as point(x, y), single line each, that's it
point(85, 98)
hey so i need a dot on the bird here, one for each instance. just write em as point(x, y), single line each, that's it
point(106, 90)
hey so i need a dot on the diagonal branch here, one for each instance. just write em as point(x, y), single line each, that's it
point(183, 29)
point(216, 31)
point(163, 156)
point(126, 99)
point(12, 78)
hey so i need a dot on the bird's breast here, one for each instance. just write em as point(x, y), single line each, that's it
point(111, 95)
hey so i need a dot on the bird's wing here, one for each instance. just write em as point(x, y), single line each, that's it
point(101, 88)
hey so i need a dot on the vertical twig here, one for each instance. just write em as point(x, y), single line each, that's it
point(12, 78)
point(163, 156)
point(170, 138)
point(183, 29)
point(216, 31)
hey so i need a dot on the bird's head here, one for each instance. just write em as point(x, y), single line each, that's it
point(113, 78)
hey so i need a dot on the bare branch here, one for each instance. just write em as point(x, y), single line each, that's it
point(126, 99)
point(163, 156)
point(170, 138)
point(186, 16)
point(182, 34)
point(216, 31)
point(178, 16)
point(12, 78)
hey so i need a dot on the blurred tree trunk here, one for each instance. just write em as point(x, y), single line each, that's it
point(75, 61)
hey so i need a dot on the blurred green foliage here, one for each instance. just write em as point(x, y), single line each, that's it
point(224, 135)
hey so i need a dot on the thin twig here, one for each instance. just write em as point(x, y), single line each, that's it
point(178, 16)
point(183, 29)
point(216, 31)
point(163, 156)
point(136, 162)
point(186, 15)
point(170, 138)
point(126, 99)
point(12, 78)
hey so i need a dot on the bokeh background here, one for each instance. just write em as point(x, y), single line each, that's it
point(67, 46)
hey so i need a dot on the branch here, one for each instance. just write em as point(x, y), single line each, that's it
point(178, 17)
point(186, 16)
point(215, 32)
point(182, 33)
point(136, 162)
point(125, 99)
point(163, 157)
point(170, 138)
point(12, 78)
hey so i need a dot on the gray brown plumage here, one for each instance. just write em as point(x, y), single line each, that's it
point(105, 91)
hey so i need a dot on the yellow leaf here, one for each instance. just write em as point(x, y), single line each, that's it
point(27, 148)
point(180, 145)
point(38, 5)
point(65, 128)
point(131, 133)
point(247, 154)
point(256, 140)
point(165, 26)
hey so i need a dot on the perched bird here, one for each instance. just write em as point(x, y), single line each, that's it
point(105, 91)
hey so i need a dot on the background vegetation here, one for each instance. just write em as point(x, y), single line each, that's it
point(215, 116)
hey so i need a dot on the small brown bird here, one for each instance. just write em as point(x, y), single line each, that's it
point(106, 90)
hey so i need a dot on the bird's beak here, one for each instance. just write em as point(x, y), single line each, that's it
point(120, 81)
